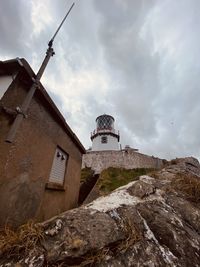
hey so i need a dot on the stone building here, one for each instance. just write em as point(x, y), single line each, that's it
point(39, 169)
point(125, 158)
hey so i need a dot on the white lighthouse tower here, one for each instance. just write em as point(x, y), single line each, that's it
point(104, 137)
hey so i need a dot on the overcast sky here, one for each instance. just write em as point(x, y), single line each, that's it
point(137, 60)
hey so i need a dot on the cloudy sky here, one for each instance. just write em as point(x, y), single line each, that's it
point(138, 60)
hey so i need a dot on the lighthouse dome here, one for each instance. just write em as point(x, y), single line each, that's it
point(105, 122)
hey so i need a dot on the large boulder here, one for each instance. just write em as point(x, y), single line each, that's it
point(154, 221)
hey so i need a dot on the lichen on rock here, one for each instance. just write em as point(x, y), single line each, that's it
point(153, 221)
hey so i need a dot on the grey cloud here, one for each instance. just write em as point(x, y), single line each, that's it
point(154, 93)
point(78, 36)
point(131, 63)
point(149, 49)
point(14, 27)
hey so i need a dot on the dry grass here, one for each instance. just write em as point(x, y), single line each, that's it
point(154, 174)
point(23, 239)
point(95, 258)
point(189, 185)
point(132, 235)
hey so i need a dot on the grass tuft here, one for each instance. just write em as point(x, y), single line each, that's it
point(132, 235)
point(189, 185)
point(95, 258)
point(26, 237)
point(112, 178)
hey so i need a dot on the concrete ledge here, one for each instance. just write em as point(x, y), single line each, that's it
point(54, 186)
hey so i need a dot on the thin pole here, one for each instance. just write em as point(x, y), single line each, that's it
point(62, 22)
point(25, 105)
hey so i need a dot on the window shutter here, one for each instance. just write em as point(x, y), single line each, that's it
point(57, 173)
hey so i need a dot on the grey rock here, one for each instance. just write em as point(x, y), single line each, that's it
point(149, 222)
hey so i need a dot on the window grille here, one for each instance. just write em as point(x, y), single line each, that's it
point(105, 122)
point(58, 169)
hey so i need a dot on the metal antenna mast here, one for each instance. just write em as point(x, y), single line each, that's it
point(25, 105)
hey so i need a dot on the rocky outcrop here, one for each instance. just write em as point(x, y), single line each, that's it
point(154, 221)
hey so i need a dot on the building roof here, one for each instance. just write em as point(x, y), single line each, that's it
point(9, 67)
point(105, 115)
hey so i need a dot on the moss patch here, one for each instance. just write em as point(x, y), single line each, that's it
point(112, 178)
point(86, 174)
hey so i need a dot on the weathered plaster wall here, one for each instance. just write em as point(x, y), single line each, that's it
point(127, 159)
point(112, 143)
point(26, 163)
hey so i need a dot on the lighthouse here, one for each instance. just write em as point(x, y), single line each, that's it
point(104, 137)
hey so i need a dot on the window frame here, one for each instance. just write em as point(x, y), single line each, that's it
point(52, 185)
point(104, 139)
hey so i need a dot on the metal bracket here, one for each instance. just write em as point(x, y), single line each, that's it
point(9, 111)
point(20, 111)
point(14, 112)
point(36, 83)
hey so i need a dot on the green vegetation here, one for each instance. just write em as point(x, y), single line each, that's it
point(112, 178)
point(86, 174)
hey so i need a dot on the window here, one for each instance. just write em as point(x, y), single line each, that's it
point(104, 140)
point(105, 122)
point(58, 169)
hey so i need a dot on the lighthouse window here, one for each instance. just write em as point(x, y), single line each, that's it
point(104, 139)
point(104, 122)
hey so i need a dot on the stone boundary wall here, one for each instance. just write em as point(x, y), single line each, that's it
point(128, 159)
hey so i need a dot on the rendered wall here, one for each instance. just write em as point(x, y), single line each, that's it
point(129, 159)
point(112, 143)
point(26, 163)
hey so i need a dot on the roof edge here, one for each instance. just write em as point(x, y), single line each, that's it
point(21, 62)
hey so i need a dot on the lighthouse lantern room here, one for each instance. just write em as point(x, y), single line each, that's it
point(104, 137)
